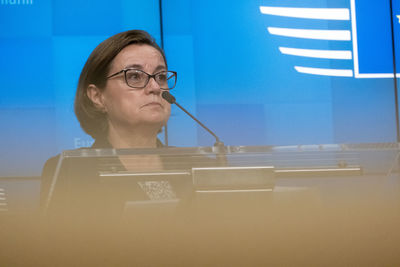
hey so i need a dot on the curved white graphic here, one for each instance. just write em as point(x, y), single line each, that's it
point(325, 72)
point(338, 35)
point(316, 53)
point(308, 13)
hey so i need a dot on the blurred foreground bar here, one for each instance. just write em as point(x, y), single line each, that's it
point(323, 205)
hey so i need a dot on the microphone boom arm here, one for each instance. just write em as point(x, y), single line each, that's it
point(217, 141)
point(171, 99)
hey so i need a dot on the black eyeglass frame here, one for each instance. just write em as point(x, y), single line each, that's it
point(148, 77)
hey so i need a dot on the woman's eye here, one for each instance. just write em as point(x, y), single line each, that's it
point(133, 76)
point(162, 77)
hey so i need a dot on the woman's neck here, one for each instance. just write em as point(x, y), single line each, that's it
point(140, 138)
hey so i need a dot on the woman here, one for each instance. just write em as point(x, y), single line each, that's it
point(118, 100)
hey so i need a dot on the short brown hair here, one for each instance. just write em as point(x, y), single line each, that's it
point(93, 120)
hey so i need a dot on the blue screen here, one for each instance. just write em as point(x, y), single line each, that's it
point(243, 78)
point(260, 72)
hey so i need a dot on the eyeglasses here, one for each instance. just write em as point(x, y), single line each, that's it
point(139, 79)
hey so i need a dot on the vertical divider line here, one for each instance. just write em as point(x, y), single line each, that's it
point(161, 23)
point(394, 73)
point(162, 46)
point(354, 38)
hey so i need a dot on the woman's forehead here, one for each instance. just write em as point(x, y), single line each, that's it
point(144, 56)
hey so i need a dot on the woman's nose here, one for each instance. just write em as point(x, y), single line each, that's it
point(153, 87)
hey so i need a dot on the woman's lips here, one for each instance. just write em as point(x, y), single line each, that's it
point(152, 104)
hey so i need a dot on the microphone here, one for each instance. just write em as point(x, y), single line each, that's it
point(171, 99)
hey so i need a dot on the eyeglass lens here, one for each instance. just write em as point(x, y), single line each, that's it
point(139, 79)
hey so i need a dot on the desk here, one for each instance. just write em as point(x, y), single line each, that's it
point(326, 205)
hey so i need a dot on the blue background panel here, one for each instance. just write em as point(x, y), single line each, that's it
point(28, 138)
point(299, 123)
point(231, 74)
point(374, 36)
point(233, 124)
point(26, 72)
point(94, 17)
point(144, 15)
point(26, 18)
point(363, 110)
point(90, 17)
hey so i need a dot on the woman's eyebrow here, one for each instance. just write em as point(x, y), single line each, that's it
point(160, 67)
point(134, 66)
point(140, 67)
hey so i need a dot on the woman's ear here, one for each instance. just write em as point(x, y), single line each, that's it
point(96, 95)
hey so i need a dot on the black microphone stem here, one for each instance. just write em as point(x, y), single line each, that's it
point(171, 99)
point(219, 146)
point(217, 142)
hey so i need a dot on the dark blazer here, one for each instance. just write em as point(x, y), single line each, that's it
point(49, 168)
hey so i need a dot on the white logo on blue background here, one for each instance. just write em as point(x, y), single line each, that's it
point(365, 53)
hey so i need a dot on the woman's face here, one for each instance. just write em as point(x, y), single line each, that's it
point(129, 107)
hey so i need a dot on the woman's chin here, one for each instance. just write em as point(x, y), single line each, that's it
point(157, 121)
